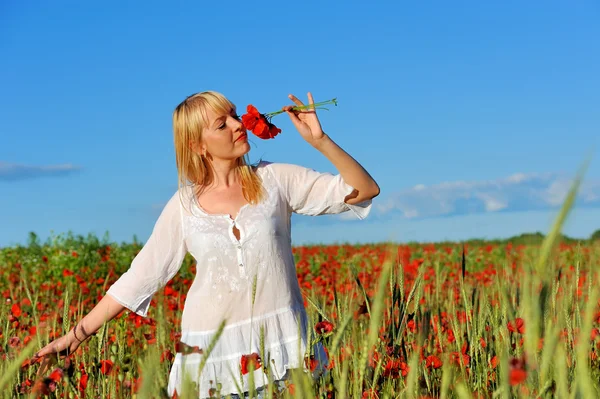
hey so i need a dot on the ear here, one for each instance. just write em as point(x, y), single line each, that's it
point(198, 148)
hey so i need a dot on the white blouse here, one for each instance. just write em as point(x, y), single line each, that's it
point(225, 272)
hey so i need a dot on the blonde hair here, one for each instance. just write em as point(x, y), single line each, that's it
point(189, 120)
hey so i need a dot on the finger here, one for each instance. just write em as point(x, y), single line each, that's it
point(45, 366)
point(294, 117)
point(311, 101)
point(295, 100)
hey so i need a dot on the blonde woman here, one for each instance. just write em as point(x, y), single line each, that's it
point(234, 219)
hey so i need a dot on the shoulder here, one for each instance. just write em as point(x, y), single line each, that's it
point(179, 200)
point(281, 170)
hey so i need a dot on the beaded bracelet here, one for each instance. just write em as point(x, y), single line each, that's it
point(75, 333)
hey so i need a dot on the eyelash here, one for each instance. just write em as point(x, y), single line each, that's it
point(223, 125)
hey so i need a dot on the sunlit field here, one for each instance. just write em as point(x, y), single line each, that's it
point(517, 318)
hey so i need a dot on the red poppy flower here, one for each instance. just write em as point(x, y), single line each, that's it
point(83, 382)
point(247, 360)
point(324, 327)
point(433, 361)
point(517, 376)
point(56, 375)
point(258, 124)
point(517, 326)
point(494, 361)
point(370, 394)
point(311, 363)
point(518, 372)
point(394, 368)
point(15, 310)
point(105, 366)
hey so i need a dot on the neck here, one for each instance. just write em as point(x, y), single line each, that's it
point(224, 173)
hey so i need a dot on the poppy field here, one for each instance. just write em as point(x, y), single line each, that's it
point(442, 320)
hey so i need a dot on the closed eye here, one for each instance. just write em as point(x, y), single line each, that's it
point(236, 116)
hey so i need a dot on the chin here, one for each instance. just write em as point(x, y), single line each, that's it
point(246, 149)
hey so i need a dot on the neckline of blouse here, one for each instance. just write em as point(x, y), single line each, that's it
point(197, 205)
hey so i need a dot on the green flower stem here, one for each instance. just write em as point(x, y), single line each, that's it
point(302, 107)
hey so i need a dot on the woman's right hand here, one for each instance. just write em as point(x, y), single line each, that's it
point(60, 348)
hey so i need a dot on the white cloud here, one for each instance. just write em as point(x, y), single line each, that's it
point(518, 192)
point(16, 172)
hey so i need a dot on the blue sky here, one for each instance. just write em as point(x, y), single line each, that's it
point(472, 116)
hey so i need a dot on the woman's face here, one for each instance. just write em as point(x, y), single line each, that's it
point(225, 137)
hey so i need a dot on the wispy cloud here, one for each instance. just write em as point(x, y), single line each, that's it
point(518, 192)
point(17, 172)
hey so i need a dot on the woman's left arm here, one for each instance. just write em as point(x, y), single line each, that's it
point(309, 127)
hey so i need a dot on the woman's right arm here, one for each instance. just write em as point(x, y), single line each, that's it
point(151, 269)
point(106, 310)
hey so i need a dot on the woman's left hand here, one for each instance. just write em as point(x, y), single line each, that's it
point(305, 120)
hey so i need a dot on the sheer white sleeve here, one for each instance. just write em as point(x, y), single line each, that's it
point(156, 263)
point(309, 192)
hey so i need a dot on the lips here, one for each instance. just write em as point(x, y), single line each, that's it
point(242, 137)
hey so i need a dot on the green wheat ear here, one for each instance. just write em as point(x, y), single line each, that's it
point(211, 346)
point(254, 283)
point(550, 240)
point(149, 372)
point(13, 368)
point(376, 317)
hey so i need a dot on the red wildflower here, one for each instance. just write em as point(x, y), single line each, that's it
point(151, 339)
point(395, 368)
point(56, 375)
point(324, 327)
point(248, 360)
point(83, 381)
point(311, 363)
point(166, 355)
point(169, 291)
point(258, 123)
point(15, 310)
point(433, 361)
point(451, 337)
point(517, 373)
point(412, 326)
point(13, 342)
point(460, 358)
point(517, 326)
point(105, 366)
point(494, 362)
point(517, 376)
point(370, 394)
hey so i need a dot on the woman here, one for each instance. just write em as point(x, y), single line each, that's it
point(234, 219)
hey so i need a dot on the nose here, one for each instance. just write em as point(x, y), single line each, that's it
point(239, 123)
